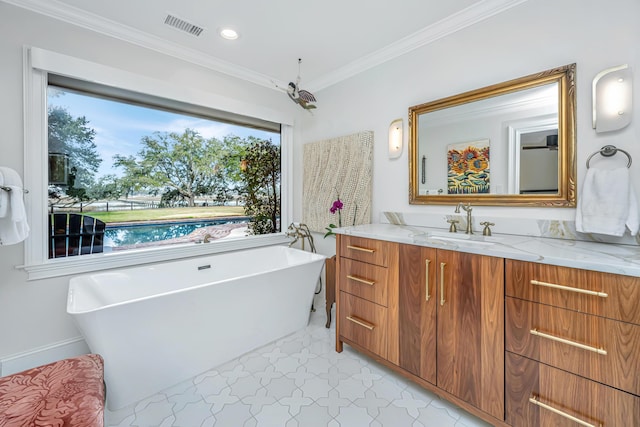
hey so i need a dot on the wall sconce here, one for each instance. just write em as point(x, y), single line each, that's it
point(395, 139)
point(612, 99)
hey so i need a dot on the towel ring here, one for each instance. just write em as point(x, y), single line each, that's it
point(608, 151)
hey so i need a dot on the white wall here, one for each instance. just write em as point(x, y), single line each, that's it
point(33, 314)
point(534, 36)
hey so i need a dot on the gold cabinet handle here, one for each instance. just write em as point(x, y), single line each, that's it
point(361, 249)
point(535, 401)
point(361, 322)
point(426, 278)
point(570, 289)
point(442, 265)
point(568, 342)
point(361, 280)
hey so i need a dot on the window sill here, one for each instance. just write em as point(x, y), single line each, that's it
point(89, 263)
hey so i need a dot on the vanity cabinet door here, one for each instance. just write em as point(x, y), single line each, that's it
point(417, 311)
point(470, 325)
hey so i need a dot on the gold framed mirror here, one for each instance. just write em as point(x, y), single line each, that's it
point(509, 144)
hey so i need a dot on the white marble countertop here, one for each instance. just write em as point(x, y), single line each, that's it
point(604, 257)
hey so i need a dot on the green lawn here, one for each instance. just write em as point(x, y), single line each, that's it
point(167, 214)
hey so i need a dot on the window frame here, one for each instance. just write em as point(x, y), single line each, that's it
point(37, 65)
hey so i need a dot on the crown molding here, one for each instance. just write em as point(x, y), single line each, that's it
point(72, 15)
point(90, 21)
point(449, 25)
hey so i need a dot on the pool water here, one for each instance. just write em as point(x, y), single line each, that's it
point(123, 235)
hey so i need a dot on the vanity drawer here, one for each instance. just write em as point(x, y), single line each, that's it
point(364, 280)
point(530, 385)
point(364, 323)
point(366, 250)
point(603, 294)
point(601, 349)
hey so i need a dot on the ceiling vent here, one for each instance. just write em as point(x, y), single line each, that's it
point(183, 25)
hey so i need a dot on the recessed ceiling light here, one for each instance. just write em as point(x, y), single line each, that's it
point(228, 33)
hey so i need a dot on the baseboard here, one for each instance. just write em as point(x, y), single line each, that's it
point(43, 355)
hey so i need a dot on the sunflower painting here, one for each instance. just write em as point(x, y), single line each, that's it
point(468, 167)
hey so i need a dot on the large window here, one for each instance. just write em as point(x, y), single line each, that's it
point(125, 174)
point(133, 170)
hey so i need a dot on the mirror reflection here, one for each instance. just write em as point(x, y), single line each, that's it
point(512, 142)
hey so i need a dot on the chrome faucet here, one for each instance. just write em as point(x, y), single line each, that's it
point(468, 210)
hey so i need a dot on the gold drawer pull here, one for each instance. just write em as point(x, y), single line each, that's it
point(358, 248)
point(569, 288)
point(442, 265)
point(569, 342)
point(426, 277)
point(361, 280)
point(535, 401)
point(361, 322)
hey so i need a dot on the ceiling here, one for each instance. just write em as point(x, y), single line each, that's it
point(336, 39)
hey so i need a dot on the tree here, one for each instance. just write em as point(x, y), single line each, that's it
point(180, 164)
point(261, 190)
point(74, 137)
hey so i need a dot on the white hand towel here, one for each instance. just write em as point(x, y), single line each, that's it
point(607, 204)
point(13, 226)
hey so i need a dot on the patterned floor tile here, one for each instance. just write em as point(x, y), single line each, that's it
point(154, 413)
point(247, 386)
point(334, 402)
point(433, 416)
point(315, 388)
point(371, 403)
point(275, 415)
point(395, 416)
point(194, 414)
point(300, 376)
point(234, 415)
point(354, 417)
point(295, 402)
point(313, 415)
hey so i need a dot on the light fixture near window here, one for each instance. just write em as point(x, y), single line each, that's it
point(612, 99)
point(395, 139)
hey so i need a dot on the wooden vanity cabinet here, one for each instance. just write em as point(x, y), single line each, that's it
point(436, 315)
point(573, 346)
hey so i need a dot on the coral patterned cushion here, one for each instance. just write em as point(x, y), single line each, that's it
point(66, 393)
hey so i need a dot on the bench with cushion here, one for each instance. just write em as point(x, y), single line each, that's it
point(65, 393)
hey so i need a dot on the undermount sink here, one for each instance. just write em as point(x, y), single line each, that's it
point(463, 239)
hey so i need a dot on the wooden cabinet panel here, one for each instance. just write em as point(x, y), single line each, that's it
point(364, 280)
point(622, 300)
point(366, 250)
point(587, 401)
point(364, 323)
point(470, 352)
point(417, 311)
point(601, 349)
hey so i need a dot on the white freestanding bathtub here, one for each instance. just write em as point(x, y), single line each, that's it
point(158, 325)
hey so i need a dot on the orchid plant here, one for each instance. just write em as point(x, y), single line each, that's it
point(336, 207)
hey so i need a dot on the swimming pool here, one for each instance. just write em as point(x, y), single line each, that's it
point(133, 234)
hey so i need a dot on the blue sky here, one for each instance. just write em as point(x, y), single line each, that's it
point(119, 127)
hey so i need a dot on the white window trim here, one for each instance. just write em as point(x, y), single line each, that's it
point(37, 63)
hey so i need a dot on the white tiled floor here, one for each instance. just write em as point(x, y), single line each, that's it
point(298, 381)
